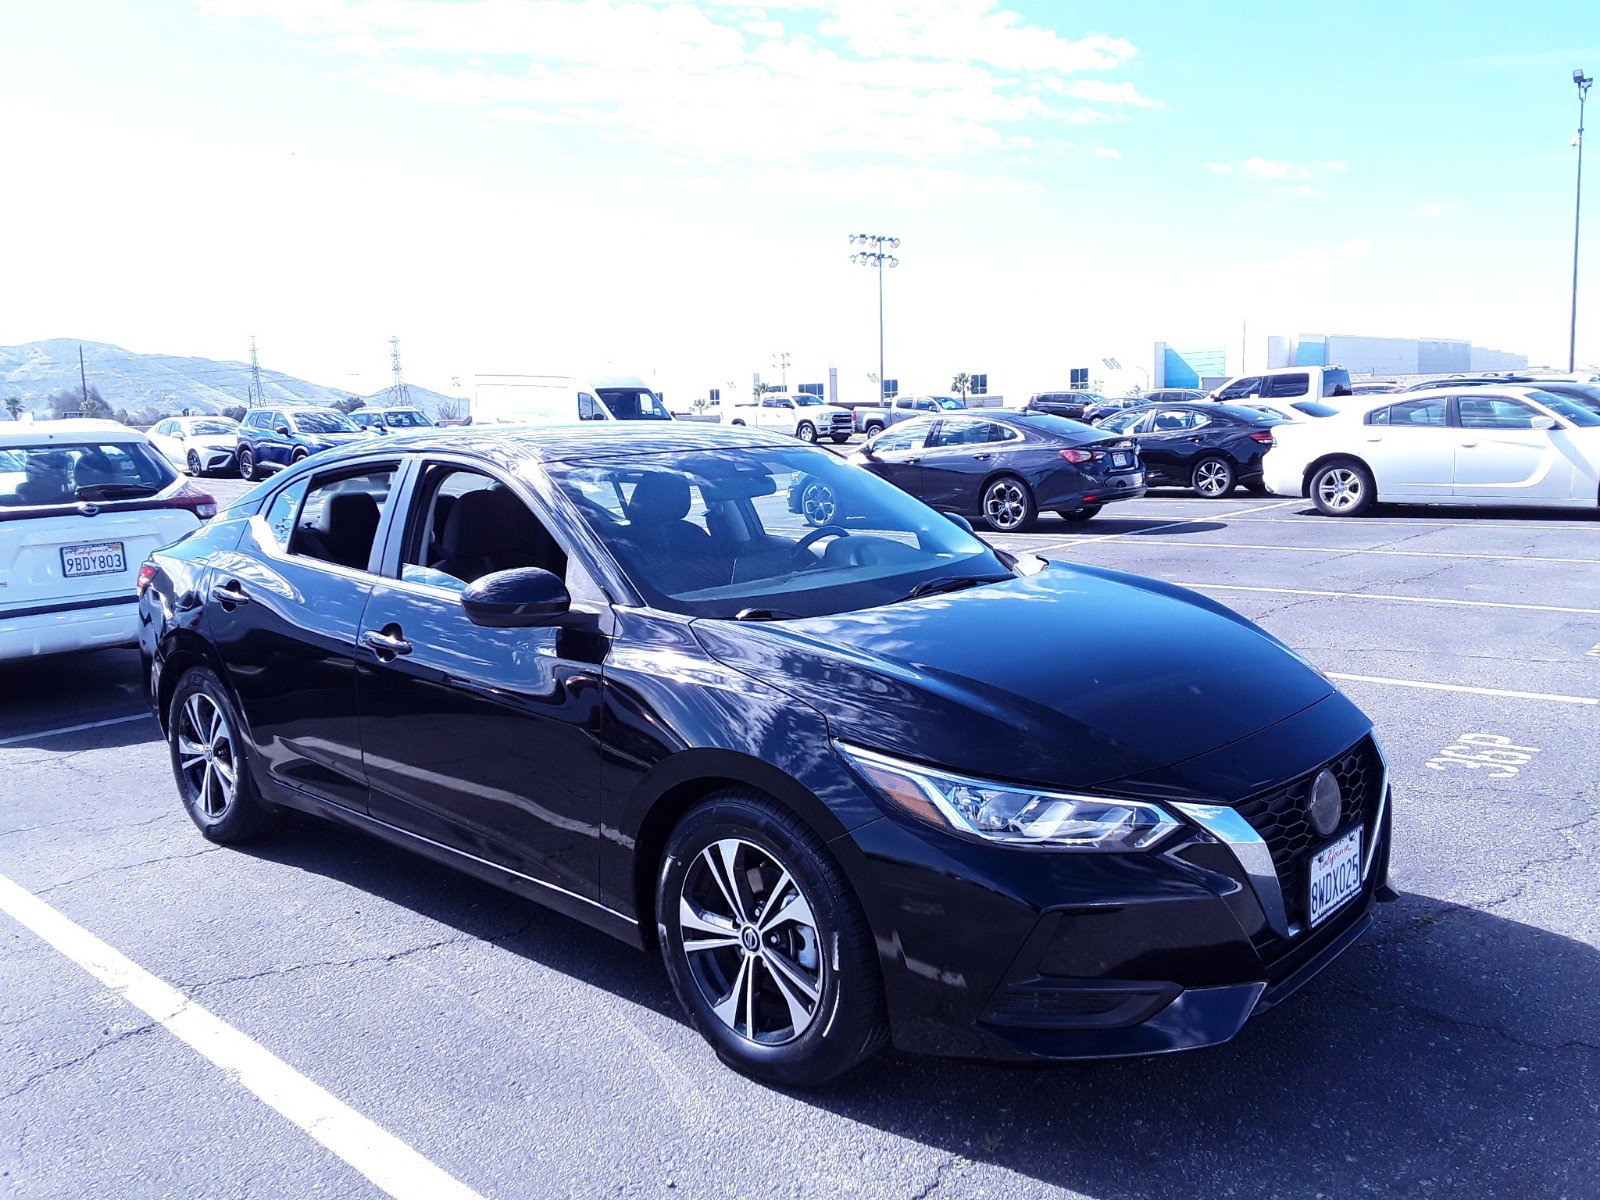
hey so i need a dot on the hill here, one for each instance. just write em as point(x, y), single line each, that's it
point(151, 386)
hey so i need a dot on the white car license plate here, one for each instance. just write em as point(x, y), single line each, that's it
point(1335, 875)
point(93, 558)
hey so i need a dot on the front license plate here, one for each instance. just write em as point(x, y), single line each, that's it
point(93, 558)
point(1335, 875)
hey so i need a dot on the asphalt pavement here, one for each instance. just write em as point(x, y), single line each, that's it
point(1455, 1052)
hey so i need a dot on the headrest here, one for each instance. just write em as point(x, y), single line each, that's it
point(658, 496)
point(484, 523)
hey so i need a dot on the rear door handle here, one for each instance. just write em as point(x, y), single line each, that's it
point(384, 644)
point(230, 593)
point(982, 457)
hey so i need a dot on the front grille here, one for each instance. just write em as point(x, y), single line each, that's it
point(1281, 818)
point(840, 421)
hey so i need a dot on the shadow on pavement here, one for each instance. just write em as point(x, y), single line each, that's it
point(1452, 1053)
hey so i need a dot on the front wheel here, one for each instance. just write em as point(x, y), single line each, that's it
point(1343, 489)
point(1213, 478)
point(766, 945)
point(193, 463)
point(1008, 505)
point(1079, 514)
point(211, 763)
point(807, 432)
point(248, 467)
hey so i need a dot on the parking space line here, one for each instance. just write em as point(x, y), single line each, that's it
point(1239, 587)
point(1342, 550)
point(1461, 687)
point(66, 729)
point(1317, 519)
point(1106, 537)
point(380, 1156)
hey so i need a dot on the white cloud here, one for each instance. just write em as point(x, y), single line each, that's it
point(1266, 168)
point(1221, 168)
point(1432, 212)
point(1106, 152)
point(1104, 91)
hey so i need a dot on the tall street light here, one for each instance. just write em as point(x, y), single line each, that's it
point(1583, 81)
point(781, 361)
point(877, 256)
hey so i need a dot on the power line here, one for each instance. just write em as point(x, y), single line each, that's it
point(398, 393)
point(255, 397)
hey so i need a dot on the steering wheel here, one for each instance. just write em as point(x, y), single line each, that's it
point(811, 539)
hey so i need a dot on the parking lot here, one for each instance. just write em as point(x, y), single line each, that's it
point(1456, 1052)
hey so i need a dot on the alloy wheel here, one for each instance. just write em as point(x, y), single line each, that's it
point(807, 432)
point(206, 755)
point(818, 504)
point(1004, 504)
point(751, 942)
point(1340, 489)
point(1212, 478)
point(194, 463)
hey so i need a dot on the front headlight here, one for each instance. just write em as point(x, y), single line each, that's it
point(1009, 813)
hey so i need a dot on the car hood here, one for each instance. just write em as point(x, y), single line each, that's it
point(335, 439)
point(1071, 677)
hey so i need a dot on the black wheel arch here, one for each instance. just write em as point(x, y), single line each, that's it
point(181, 651)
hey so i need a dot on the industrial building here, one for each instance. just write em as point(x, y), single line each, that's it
point(1361, 356)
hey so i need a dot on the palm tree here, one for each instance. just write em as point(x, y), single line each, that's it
point(961, 383)
point(14, 407)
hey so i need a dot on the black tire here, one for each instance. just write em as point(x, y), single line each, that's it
point(1214, 477)
point(1013, 512)
point(806, 432)
point(837, 960)
point(248, 467)
point(298, 456)
point(840, 439)
point(194, 463)
point(738, 422)
point(1079, 514)
point(220, 815)
point(874, 428)
point(1343, 488)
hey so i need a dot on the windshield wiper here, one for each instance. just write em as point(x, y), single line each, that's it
point(114, 491)
point(950, 583)
point(763, 614)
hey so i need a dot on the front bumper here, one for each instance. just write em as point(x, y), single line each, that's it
point(988, 952)
point(218, 458)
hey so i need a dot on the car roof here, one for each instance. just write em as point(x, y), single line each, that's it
point(18, 433)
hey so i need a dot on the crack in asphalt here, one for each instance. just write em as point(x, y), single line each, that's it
point(1434, 1016)
point(144, 862)
point(117, 827)
point(39, 1076)
point(940, 1173)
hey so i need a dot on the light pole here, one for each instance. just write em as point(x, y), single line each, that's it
point(1583, 81)
point(781, 361)
point(878, 256)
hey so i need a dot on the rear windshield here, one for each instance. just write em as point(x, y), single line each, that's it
point(1312, 409)
point(1336, 382)
point(64, 472)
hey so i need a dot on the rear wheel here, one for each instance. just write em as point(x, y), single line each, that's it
point(194, 463)
point(297, 456)
point(211, 764)
point(1079, 514)
point(247, 466)
point(806, 432)
point(874, 428)
point(766, 945)
point(1213, 478)
point(1008, 505)
point(1343, 489)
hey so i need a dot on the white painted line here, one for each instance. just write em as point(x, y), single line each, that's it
point(1239, 587)
point(1315, 518)
point(383, 1158)
point(1107, 537)
point(1458, 687)
point(1523, 558)
point(66, 729)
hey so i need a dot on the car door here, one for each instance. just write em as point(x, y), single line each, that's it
point(1500, 458)
point(1169, 443)
point(272, 442)
point(956, 460)
point(1410, 447)
point(896, 454)
point(483, 740)
point(284, 611)
point(164, 435)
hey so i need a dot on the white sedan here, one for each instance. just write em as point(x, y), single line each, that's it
point(82, 503)
point(197, 444)
point(1512, 445)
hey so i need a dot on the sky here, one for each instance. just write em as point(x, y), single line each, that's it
point(564, 186)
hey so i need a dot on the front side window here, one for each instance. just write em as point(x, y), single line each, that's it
point(1241, 389)
point(340, 517)
point(1287, 385)
point(957, 432)
point(68, 472)
point(1170, 420)
point(465, 525)
point(634, 404)
point(1126, 422)
point(323, 421)
point(714, 533)
point(911, 435)
point(1494, 412)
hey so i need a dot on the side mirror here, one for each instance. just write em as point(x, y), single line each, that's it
point(1542, 423)
point(179, 434)
point(961, 522)
point(282, 429)
point(520, 598)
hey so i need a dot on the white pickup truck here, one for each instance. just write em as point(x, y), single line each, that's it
point(805, 416)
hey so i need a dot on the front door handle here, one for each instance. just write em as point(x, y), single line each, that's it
point(982, 457)
point(384, 644)
point(230, 594)
point(1193, 438)
point(911, 462)
point(1468, 445)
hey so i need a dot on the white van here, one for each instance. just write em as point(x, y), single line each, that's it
point(560, 399)
point(1287, 383)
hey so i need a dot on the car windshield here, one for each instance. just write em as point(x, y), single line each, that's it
point(1584, 414)
point(367, 420)
point(323, 421)
point(779, 532)
point(634, 404)
point(807, 400)
point(66, 472)
point(1335, 382)
point(948, 403)
point(213, 428)
point(406, 418)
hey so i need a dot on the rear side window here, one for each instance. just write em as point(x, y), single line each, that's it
point(1431, 413)
point(1336, 382)
point(66, 472)
point(340, 517)
point(1286, 385)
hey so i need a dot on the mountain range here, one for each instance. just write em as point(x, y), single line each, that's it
point(152, 386)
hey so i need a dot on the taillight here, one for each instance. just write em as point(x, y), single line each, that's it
point(1263, 436)
point(201, 503)
point(1076, 454)
point(147, 572)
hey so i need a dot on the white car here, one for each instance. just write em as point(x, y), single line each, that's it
point(1291, 410)
point(386, 417)
point(82, 504)
point(800, 415)
point(197, 444)
point(1513, 445)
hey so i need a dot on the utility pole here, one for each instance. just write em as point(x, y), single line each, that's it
point(878, 256)
point(83, 379)
point(781, 361)
point(1583, 81)
point(256, 397)
point(398, 394)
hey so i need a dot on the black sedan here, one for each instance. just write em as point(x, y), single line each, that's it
point(1005, 467)
point(1212, 448)
point(1070, 404)
point(863, 783)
